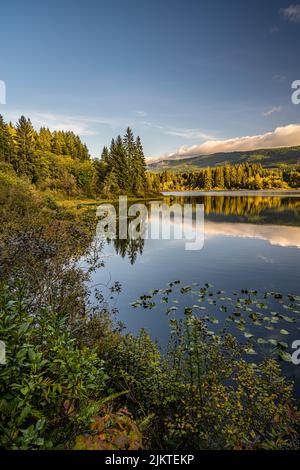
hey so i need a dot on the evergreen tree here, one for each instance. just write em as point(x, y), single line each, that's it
point(130, 149)
point(25, 141)
point(57, 143)
point(4, 141)
point(105, 155)
point(120, 165)
point(44, 139)
point(140, 165)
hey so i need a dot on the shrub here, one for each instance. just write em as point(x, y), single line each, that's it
point(112, 431)
point(47, 382)
point(203, 395)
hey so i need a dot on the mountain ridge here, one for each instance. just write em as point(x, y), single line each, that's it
point(272, 157)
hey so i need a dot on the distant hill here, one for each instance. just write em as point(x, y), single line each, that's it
point(266, 157)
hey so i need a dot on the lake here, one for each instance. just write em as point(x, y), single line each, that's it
point(252, 241)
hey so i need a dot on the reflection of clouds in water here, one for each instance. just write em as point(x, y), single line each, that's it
point(280, 235)
point(275, 234)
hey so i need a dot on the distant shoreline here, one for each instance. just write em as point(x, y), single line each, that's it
point(237, 192)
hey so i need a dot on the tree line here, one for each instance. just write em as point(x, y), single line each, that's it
point(60, 162)
point(241, 176)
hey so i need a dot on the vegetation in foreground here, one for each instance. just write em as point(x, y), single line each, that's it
point(74, 379)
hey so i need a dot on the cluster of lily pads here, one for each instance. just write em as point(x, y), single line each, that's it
point(264, 319)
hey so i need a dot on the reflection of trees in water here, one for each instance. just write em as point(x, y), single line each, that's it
point(128, 248)
point(266, 209)
point(239, 205)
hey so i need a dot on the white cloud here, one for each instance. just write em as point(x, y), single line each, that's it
point(185, 133)
point(82, 125)
point(291, 13)
point(55, 122)
point(284, 136)
point(269, 112)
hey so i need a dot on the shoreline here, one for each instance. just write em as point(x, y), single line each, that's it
point(88, 202)
point(80, 203)
point(235, 192)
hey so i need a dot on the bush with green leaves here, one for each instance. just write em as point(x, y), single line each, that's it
point(203, 394)
point(48, 386)
point(67, 358)
point(224, 401)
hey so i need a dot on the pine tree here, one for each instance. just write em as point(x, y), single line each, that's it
point(4, 141)
point(119, 164)
point(105, 155)
point(102, 169)
point(130, 149)
point(25, 140)
point(57, 143)
point(140, 165)
point(44, 139)
point(84, 154)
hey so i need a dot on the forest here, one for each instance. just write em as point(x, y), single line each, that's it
point(59, 164)
point(228, 177)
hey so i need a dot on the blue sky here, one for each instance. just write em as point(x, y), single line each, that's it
point(180, 72)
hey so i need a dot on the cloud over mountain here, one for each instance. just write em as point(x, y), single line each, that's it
point(284, 136)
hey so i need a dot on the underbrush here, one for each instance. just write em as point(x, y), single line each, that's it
point(74, 378)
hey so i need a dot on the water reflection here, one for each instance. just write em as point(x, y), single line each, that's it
point(275, 234)
point(251, 242)
point(274, 219)
point(128, 248)
point(271, 207)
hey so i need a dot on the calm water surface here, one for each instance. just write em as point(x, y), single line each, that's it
point(251, 242)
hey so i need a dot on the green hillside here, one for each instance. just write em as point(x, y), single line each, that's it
point(266, 157)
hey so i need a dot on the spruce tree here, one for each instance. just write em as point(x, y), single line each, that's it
point(44, 139)
point(4, 141)
point(130, 149)
point(105, 155)
point(26, 141)
point(57, 143)
point(140, 180)
point(120, 165)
